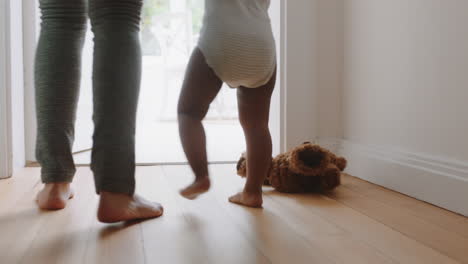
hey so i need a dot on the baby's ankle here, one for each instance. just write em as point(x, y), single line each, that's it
point(204, 178)
point(253, 191)
point(199, 186)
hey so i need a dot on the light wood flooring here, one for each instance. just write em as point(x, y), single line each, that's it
point(358, 223)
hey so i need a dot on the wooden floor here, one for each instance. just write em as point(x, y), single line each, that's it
point(359, 223)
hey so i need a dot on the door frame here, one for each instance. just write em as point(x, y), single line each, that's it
point(30, 25)
point(5, 91)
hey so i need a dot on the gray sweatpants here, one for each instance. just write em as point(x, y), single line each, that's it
point(116, 82)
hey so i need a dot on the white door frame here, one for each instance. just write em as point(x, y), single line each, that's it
point(5, 104)
point(277, 14)
point(30, 25)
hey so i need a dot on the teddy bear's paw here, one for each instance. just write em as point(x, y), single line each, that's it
point(341, 163)
point(331, 179)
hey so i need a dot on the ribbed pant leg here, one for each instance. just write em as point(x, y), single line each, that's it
point(116, 83)
point(57, 81)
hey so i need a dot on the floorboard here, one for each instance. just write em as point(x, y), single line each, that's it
point(358, 223)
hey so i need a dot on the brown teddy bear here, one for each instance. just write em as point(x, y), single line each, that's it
point(306, 168)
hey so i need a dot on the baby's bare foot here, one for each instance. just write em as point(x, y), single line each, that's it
point(117, 207)
point(254, 200)
point(54, 196)
point(198, 187)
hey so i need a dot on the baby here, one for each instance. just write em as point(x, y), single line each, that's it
point(236, 47)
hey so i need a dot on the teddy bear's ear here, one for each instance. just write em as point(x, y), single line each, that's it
point(341, 163)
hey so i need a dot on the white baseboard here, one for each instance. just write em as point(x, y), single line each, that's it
point(436, 180)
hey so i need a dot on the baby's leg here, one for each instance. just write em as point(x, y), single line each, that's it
point(201, 85)
point(254, 110)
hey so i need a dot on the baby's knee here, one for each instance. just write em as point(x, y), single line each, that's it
point(250, 123)
point(192, 112)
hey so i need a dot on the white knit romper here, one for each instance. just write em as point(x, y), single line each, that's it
point(237, 41)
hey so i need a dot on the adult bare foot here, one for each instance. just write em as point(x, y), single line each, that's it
point(254, 200)
point(198, 187)
point(54, 196)
point(117, 207)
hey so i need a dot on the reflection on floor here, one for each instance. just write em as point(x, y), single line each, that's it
point(358, 223)
point(158, 142)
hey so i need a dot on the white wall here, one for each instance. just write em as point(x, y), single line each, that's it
point(312, 68)
point(330, 68)
point(406, 75)
point(405, 90)
point(300, 72)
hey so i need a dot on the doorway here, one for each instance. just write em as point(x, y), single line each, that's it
point(169, 32)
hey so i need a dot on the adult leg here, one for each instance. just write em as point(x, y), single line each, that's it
point(254, 112)
point(201, 85)
point(116, 84)
point(57, 82)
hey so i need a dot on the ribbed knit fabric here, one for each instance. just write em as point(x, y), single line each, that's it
point(237, 41)
point(116, 84)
